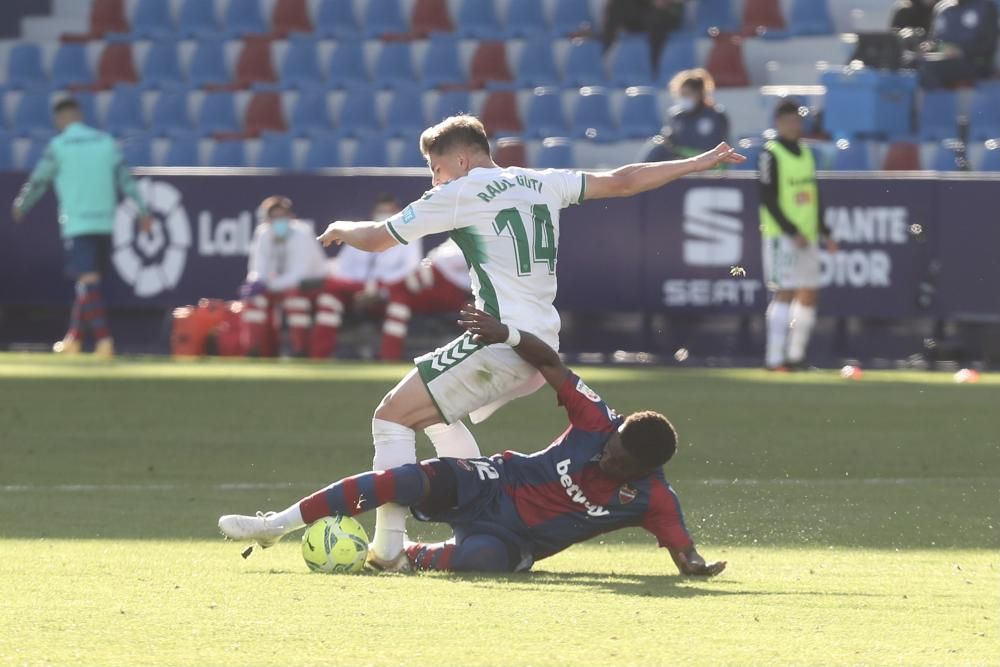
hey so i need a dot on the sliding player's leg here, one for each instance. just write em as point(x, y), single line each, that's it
point(476, 553)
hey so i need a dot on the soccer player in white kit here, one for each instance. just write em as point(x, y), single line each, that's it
point(506, 221)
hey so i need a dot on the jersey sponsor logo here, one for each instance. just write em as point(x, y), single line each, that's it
point(575, 493)
point(627, 494)
point(408, 215)
point(587, 391)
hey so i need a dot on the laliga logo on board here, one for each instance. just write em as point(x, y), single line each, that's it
point(152, 262)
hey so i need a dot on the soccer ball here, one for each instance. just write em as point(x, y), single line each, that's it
point(335, 544)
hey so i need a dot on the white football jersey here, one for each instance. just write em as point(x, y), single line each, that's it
point(506, 221)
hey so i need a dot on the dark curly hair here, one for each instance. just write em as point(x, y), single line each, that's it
point(649, 437)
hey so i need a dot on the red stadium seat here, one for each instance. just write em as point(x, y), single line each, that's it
point(902, 156)
point(725, 62)
point(499, 114)
point(510, 153)
point(290, 16)
point(430, 16)
point(265, 114)
point(108, 16)
point(254, 64)
point(116, 66)
point(761, 16)
point(489, 63)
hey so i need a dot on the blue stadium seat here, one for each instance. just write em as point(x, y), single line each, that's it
point(478, 19)
point(276, 151)
point(442, 65)
point(555, 153)
point(125, 110)
point(570, 16)
point(384, 17)
point(208, 64)
point(394, 65)
point(405, 115)
point(137, 149)
point(151, 19)
point(218, 113)
point(161, 67)
point(358, 114)
point(323, 152)
point(991, 157)
point(88, 107)
point(24, 66)
point(300, 66)
point(170, 112)
point(183, 151)
point(335, 18)
point(450, 103)
point(715, 14)
point(347, 64)
point(544, 116)
point(584, 66)
point(310, 113)
point(526, 18)
point(197, 18)
point(536, 65)
point(630, 61)
point(411, 156)
point(70, 67)
point(32, 113)
point(228, 154)
point(371, 151)
point(852, 156)
point(949, 155)
point(243, 17)
point(592, 118)
point(678, 55)
point(6, 152)
point(938, 115)
point(984, 115)
point(810, 17)
point(640, 113)
point(39, 142)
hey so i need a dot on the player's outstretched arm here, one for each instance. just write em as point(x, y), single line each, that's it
point(368, 236)
point(690, 562)
point(489, 330)
point(635, 178)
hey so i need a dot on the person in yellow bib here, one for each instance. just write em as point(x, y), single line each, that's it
point(792, 227)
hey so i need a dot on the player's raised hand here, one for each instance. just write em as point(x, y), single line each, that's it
point(484, 328)
point(721, 154)
point(333, 234)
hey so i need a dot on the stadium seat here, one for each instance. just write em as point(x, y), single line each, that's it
point(442, 65)
point(489, 64)
point(347, 64)
point(384, 17)
point(197, 19)
point(371, 151)
point(161, 67)
point(902, 156)
point(555, 153)
point(243, 17)
point(335, 18)
point(300, 64)
point(265, 114)
point(630, 61)
point(290, 17)
point(394, 65)
point(592, 118)
point(183, 151)
point(949, 155)
point(571, 17)
point(763, 18)
point(69, 67)
point(357, 113)
point(151, 19)
point(125, 110)
point(544, 115)
point(137, 150)
point(984, 114)
point(450, 103)
point(499, 113)
point(477, 19)
point(24, 66)
point(750, 148)
point(510, 152)
point(323, 152)
point(937, 118)
point(430, 16)
point(810, 17)
point(208, 64)
point(725, 62)
point(991, 157)
point(276, 152)
point(32, 113)
point(116, 66)
point(88, 107)
point(536, 65)
point(310, 113)
point(526, 18)
point(107, 16)
point(254, 63)
point(584, 66)
point(6, 152)
point(851, 156)
point(217, 114)
point(410, 155)
point(678, 55)
point(405, 114)
point(714, 15)
point(640, 113)
point(39, 142)
point(170, 112)
point(231, 153)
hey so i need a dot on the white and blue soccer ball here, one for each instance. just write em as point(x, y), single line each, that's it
point(335, 544)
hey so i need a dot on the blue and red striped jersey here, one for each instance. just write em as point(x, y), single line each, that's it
point(562, 496)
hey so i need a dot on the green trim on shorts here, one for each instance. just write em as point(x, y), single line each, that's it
point(583, 188)
point(434, 364)
point(395, 235)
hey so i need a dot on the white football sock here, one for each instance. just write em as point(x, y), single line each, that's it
point(395, 445)
point(454, 441)
point(290, 518)
point(777, 331)
point(800, 329)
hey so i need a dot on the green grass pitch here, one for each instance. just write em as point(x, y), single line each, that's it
point(861, 522)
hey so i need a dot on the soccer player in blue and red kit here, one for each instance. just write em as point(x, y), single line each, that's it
point(603, 473)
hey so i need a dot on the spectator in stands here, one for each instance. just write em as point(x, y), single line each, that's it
point(657, 18)
point(87, 169)
point(962, 44)
point(696, 123)
point(913, 15)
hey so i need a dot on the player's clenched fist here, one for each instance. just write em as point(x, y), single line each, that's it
point(721, 154)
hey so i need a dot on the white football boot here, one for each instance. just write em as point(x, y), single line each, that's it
point(261, 528)
point(401, 563)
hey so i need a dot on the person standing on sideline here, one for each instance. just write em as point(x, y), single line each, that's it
point(88, 171)
point(792, 225)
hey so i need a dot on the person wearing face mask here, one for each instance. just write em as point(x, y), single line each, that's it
point(285, 275)
point(696, 123)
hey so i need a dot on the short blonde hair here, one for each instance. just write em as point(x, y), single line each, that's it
point(462, 130)
point(698, 77)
